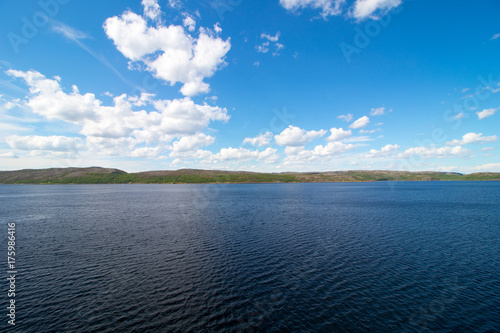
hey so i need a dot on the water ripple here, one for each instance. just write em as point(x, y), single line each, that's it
point(410, 257)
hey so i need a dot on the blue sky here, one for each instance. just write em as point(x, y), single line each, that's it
point(276, 85)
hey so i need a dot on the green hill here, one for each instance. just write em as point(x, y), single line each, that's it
point(97, 175)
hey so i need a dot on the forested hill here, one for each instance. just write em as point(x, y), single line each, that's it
point(97, 175)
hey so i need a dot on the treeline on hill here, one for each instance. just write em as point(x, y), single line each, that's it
point(133, 178)
point(96, 175)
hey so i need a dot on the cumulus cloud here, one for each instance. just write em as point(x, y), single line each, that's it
point(169, 52)
point(49, 100)
point(47, 143)
point(187, 155)
point(302, 155)
point(430, 152)
point(360, 123)
point(118, 128)
point(261, 140)
point(327, 7)
point(295, 136)
point(338, 134)
point(486, 113)
point(145, 152)
point(473, 138)
point(193, 142)
point(189, 23)
point(332, 148)
point(151, 9)
point(242, 154)
point(384, 151)
point(346, 117)
point(374, 9)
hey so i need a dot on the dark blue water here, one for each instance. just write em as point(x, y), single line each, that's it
point(362, 257)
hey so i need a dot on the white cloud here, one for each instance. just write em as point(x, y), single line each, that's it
point(300, 155)
point(67, 31)
point(338, 134)
point(270, 41)
point(492, 167)
point(8, 155)
point(362, 138)
point(242, 154)
point(8, 105)
point(363, 131)
point(360, 123)
point(290, 151)
point(384, 151)
point(363, 9)
point(189, 23)
point(377, 111)
point(152, 9)
point(459, 115)
point(118, 128)
point(217, 28)
point(295, 136)
point(145, 152)
point(274, 38)
point(346, 117)
point(443, 152)
point(261, 140)
point(189, 155)
point(193, 142)
point(332, 148)
point(263, 48)
point(169, 52)
point(327, 7)
point(110, 146)
point(184, 117)
point(486, 113)
point(473, 138)
point(48, 99)
point(447, 169)
point(47, 143)
point(495, 36)
point(174, 3)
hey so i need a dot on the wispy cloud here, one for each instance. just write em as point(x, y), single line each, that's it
point(495, 36)
point(75, 36)
point(67, 31)
point(346, 117)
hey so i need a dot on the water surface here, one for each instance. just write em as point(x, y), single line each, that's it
point(363, 257)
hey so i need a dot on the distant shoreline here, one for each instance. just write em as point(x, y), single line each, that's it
point(98, 175)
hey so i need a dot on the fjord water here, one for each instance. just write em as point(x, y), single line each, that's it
point(357, 257)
